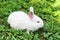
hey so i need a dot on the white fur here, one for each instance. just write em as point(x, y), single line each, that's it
point(31, 10)
point(20, 20)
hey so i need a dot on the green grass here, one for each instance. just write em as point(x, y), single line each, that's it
point(42, 8)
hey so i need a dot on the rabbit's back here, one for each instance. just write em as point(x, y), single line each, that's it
point(18, 20)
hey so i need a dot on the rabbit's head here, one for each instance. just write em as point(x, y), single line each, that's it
point(36, 21)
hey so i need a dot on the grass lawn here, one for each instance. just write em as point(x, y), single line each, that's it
point(42, 8)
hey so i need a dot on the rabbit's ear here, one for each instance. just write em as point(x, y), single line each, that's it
point(31, 12)
point(30, 15)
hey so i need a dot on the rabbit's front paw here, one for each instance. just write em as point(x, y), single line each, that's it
point(28, 32)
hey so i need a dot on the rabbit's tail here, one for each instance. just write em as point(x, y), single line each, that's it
point(31, 10)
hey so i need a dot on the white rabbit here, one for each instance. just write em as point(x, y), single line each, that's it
point(21, 20)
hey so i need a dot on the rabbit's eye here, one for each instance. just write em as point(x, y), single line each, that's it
point(37, 21)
